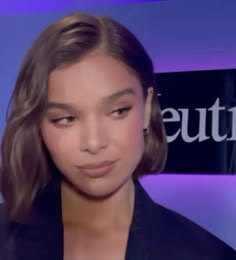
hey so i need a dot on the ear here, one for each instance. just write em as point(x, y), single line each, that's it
point(148, 107)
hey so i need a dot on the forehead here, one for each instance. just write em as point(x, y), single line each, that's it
point(97, 75)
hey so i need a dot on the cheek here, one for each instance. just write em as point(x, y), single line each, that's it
point(130, 135)
point(60, 143)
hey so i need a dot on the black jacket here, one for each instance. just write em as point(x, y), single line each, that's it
point(155, 233)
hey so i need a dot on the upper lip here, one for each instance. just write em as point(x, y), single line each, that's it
point(96, 165)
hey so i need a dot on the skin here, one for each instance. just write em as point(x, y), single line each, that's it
point(96, 112)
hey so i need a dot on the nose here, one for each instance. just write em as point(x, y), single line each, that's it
point(93, 136)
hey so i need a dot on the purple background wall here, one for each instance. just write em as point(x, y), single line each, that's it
point(9, 7)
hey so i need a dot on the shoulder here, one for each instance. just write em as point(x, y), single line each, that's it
point(5, 224)
point(3, 230)
point(3, 221)
point(186, 236)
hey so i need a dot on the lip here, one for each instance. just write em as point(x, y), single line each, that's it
point(98, 169)
point(96, 165)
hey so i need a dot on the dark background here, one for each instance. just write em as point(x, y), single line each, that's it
point(199, 89)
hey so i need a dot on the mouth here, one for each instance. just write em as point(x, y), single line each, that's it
point(97, 170)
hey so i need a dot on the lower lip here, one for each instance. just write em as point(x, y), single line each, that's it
point(98, 172)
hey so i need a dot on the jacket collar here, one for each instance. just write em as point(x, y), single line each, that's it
point(137, 246)
point(41, 236)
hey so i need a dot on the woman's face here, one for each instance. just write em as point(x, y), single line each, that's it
point(93, 124)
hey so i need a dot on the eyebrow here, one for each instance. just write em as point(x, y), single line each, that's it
point(110, 98)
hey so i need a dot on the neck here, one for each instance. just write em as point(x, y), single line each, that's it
point(83, 211)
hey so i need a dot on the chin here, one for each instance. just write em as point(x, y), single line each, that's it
point(98, 188)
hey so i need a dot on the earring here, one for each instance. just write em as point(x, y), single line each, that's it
point(146, 131)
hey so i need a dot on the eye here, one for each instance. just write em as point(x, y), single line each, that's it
point(63, 121)
point(121, 112)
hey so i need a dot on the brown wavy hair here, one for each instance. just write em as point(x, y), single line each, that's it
point(24, 169)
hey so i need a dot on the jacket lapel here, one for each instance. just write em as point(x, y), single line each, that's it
point(138, 246)
point(41, 237)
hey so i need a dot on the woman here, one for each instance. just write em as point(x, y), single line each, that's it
point(84, 124)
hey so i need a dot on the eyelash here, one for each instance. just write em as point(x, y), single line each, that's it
point(57, 120)
point(123, 109)
point(70, 119)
